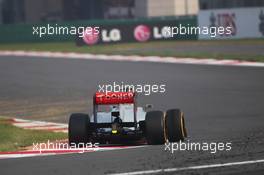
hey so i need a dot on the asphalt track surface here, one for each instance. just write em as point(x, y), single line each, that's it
point(221, 104)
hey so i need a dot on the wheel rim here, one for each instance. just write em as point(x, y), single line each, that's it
point(183, 129)
point(165, 128)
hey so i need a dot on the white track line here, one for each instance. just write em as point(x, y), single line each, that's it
point(4, 156)
point(131, 58)
point(47, 152)
point(169, 170)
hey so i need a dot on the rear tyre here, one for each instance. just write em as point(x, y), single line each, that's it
point(155, 127)
point(79, 128)
point(175, 125)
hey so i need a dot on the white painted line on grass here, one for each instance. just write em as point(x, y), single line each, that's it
point(169, 170)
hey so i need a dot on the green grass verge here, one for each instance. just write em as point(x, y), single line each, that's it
point(13, 138)
point(195, 49)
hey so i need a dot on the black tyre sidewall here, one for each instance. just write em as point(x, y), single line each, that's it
point(155, 127)
point(78, 130)
point(174, 126)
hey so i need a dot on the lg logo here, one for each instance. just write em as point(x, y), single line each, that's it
point(91, 38)
point(142, 33)
point(112, 35)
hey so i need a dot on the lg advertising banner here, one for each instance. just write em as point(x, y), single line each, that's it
point(136, 32)
point(241, 22)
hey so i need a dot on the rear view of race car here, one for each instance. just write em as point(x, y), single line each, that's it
point(116, 119)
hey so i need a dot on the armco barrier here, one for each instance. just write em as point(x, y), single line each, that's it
point(17, 33)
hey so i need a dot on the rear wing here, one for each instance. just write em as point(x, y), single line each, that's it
point(108, 98)
point(112, 98)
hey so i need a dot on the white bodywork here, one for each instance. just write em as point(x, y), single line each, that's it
point(126, 114)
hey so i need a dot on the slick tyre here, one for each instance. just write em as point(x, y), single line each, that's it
point(79, 128)
point(155, 127)
point(175, 125)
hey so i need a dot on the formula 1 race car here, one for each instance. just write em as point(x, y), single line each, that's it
point(116, 118)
